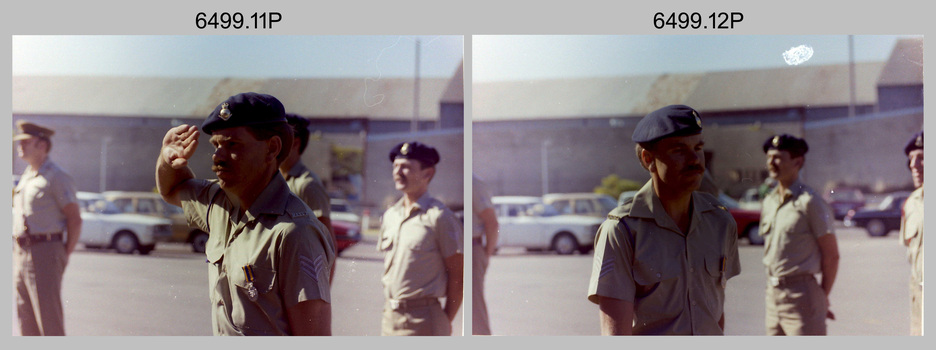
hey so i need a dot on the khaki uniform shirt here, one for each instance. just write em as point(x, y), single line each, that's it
point(792, 222)
point(415, 246)
point(675, 280)
point(480, 201)
point(307, 186)
point(911, 232)
point(39, 198)
point(276, 242)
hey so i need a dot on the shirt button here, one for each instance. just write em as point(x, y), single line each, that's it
point(659, 274)
point(692, 270)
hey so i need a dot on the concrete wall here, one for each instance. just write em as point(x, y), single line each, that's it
point(864, 150)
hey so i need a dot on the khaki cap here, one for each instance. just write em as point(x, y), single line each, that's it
point(29, 129)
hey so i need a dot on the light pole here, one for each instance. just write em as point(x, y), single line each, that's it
point(544, 160)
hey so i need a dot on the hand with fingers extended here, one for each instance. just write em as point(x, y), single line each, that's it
point(179, 145)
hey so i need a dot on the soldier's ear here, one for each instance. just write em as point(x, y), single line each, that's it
point(275, 146)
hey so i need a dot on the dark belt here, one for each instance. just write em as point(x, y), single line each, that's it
point(477, 240)
point(410, 303)
point(25, 240)
point(788, 280)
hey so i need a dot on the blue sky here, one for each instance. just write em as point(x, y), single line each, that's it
point(546, 56)
point(265, 56)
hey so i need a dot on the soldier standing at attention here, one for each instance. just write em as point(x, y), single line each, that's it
point(269, 257)
point(484, 228)
point(422, 242)
point(798, 244)
point(663, 258)
point(302, 181)
point(911, 232)
point(46, 227)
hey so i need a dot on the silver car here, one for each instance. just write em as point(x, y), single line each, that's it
point(105, 226)
point(529, 223)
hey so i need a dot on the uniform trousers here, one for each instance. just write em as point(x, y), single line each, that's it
point(38, 270)
point(480, 323)
point(415, 317)
point(796, 306)
point(916, 308)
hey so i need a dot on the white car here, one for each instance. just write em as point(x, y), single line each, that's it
point(342, 210)
point(105, 226)
point(527, 222)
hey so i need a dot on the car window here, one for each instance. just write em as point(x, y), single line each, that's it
point(584, 207)
point(146, 206)
point(562, 206)
point(99, 206)
point(124, 205)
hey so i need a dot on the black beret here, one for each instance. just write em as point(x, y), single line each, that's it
point(786, 142)
point(672, 120)
point(30, 130)
point(417, 151)
point(916, 142)
point(245, 109)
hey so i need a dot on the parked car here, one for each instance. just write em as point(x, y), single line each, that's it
point(529, 223)
point(881, 220)
point(748, 220)
point(844, 199)
point(105, 226)
point(342, 210)
point(152, 204)
point(347, 234)
point(588, 204)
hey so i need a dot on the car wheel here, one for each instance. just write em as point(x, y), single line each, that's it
point(876, 228)
point(199, 241)
point(564, 243)
point(753, 235)
point(125, 242)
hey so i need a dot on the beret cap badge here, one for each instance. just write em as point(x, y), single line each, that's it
point(225, 112)
point(919, 141)
point(698, 119)
point(776, 141)
point(405, 149)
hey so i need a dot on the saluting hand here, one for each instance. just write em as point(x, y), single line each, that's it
point(179, 145)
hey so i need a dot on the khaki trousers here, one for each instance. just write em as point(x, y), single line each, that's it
point(796, 308)
point(480, 324)
point(916, 308)
point(420, 317)
point(37, 275)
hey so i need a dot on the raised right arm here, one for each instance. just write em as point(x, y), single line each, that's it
point(172, 169)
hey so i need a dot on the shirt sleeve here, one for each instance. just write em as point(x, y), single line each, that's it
point(196, 196)
point(313, 194)
point(612, 274)
point(480, 198)
point(64, 190)
point(819, 217)
point(449, 234)
point(732, 259)
point(304, 265)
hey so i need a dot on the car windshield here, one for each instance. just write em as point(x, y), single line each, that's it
point(889, 202)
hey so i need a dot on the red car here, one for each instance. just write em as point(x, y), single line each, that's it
point(748, 220)
point(346, 235)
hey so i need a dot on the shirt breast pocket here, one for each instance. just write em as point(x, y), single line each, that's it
point(421, 241)
point(260, 277)
point(648, 274)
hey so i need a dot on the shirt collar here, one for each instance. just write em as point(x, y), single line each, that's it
point(272, 200)
point(424, 201)
point(646, 203)
point(296, 170)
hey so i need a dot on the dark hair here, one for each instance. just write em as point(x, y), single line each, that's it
point(265, 132)
point(300, 128)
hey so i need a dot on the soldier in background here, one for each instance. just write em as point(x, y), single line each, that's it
point(46, 228)
point(423, 246)
point(302, 181)
point(484, 228)
point(799, 243)
point(911, 231)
